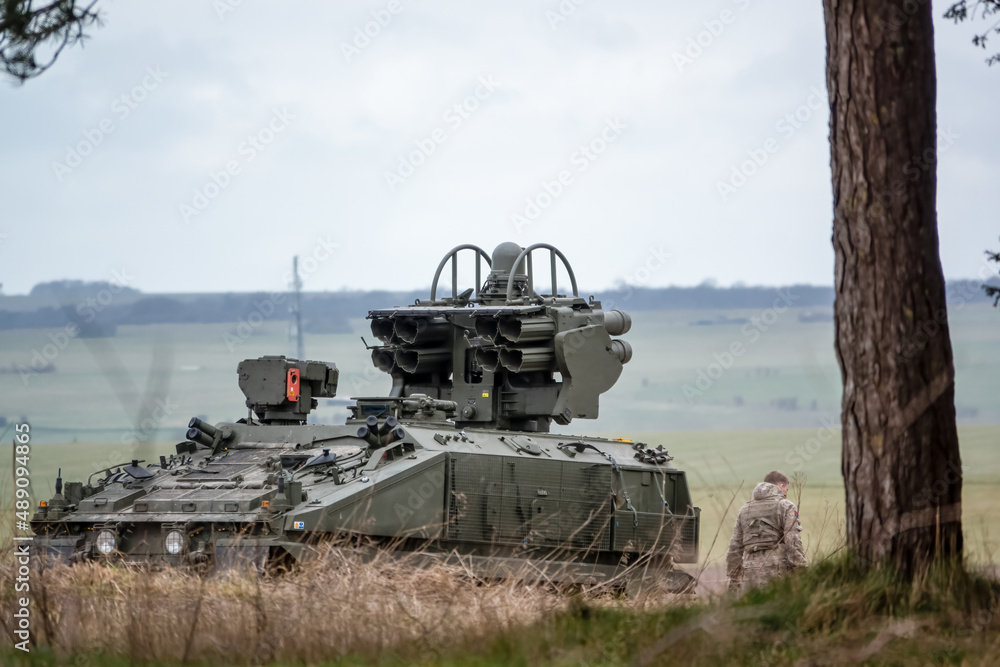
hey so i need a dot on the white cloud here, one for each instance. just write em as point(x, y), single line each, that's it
point(656, 186)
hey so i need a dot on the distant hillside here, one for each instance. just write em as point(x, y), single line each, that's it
point(98, 308)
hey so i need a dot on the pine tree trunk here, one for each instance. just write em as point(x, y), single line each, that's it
point(901, 464)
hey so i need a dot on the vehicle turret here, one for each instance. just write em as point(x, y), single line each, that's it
point(506, 355)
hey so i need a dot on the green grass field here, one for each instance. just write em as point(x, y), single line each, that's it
point(722, 468)
point(776, 406)
point(786, 376)
point(768, 410)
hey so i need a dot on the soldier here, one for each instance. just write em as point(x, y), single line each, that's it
point(766, 542)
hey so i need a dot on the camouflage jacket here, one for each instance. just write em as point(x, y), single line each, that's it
point(766, 535)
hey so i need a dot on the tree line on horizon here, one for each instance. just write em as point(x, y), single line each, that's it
point(97, 312)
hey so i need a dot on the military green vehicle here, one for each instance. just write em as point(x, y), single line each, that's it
point(457, 462)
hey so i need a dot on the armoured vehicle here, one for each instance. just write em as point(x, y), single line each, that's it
point(457, 462)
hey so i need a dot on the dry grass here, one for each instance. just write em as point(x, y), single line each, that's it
point(344, 607)
point(339, 605)
point(359, 606)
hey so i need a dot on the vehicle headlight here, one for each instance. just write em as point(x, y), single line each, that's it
point(174, 542)
point(106, 541)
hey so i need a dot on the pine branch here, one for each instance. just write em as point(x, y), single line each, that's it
point(990, 290)
point(961, 11)
point(26, 28)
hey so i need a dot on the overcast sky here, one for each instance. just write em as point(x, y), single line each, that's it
point(606, 130)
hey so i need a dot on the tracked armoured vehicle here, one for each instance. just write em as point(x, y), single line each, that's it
point(456, 463)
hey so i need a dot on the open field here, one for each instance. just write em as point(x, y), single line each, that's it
point(340, 610)
point(721, 464)
point(775, 406)
point(722, 468)
point(785, 377)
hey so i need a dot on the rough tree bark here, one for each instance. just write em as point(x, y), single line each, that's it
point(901, 464)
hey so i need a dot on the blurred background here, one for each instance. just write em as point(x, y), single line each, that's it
point(158, 182)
